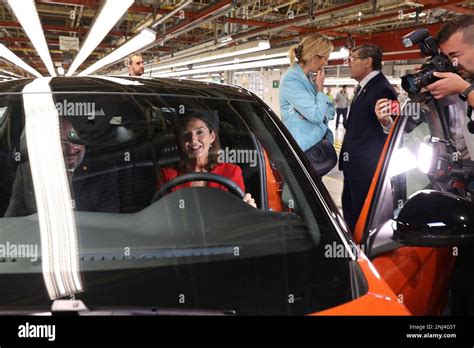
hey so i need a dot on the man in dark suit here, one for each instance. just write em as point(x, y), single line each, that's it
point(100, 194)
point(365, 135)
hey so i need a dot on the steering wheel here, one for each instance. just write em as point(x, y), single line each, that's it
point(199, 176)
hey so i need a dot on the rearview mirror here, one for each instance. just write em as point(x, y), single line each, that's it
point(435, 219)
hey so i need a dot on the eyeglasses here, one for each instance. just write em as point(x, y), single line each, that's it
point(68, 142)
point(71, 138)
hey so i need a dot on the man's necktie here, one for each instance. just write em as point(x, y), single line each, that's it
point(356, 93)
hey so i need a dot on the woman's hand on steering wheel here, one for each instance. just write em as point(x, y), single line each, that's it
point(249, 200)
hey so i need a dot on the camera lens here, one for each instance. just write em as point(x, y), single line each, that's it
point(413, 83)
point(410, 84)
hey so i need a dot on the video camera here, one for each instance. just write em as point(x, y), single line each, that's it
point(436, 61)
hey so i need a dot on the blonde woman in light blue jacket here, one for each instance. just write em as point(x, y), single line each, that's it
point(305, 108)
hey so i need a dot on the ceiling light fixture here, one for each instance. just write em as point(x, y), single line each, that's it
point(226, 39)
point(240, 66)
point(144, 38)
point(12, 57)
point(109, 15)
point(250, 47)
point(273, 53)
point(26, 13)
point(12, 74)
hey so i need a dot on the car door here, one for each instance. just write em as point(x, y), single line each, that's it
point(419, 276)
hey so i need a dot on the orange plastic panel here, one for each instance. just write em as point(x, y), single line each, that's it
point(379, 300)
point(274, 186)
point(419, 276)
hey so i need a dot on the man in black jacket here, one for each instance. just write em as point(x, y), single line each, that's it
point(365, 134)
point(99, 194)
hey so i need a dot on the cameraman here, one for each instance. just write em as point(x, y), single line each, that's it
point(456, 40)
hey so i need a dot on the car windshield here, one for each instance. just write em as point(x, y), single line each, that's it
point(107, 198)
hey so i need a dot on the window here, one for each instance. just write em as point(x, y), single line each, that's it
point(197, 245)
point(409, 168)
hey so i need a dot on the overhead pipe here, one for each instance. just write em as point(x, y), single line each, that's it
point(298, 20)
point(207, 14)
point(387, 16)
point(277, 7)
point(159, 18)
point(178, 8)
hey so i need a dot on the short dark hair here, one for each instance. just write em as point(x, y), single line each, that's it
point(128, 60)
point(344, 86)
point(464, 24)
point(371, 51)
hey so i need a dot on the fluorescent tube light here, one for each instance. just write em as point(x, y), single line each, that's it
point(12, 57)
point(226, 39)
point(246, 48)
point(240, 66)
point(26, 13)
point(273, 53)
point(144, 38)
point(246, 72)
point(59, 240)
point(10, 73)
point(109, 15)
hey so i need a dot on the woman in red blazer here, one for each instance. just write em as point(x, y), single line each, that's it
point(200, 146)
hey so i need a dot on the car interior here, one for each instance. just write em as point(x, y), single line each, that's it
point(12, 149)
point(129, 141)
point(126, 143)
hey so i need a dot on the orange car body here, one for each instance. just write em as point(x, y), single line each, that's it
point(404, 281)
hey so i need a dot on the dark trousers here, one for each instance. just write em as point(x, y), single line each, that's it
point(353, 197)
point(344, 116)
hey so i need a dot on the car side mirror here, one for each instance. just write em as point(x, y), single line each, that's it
point(435, 219)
